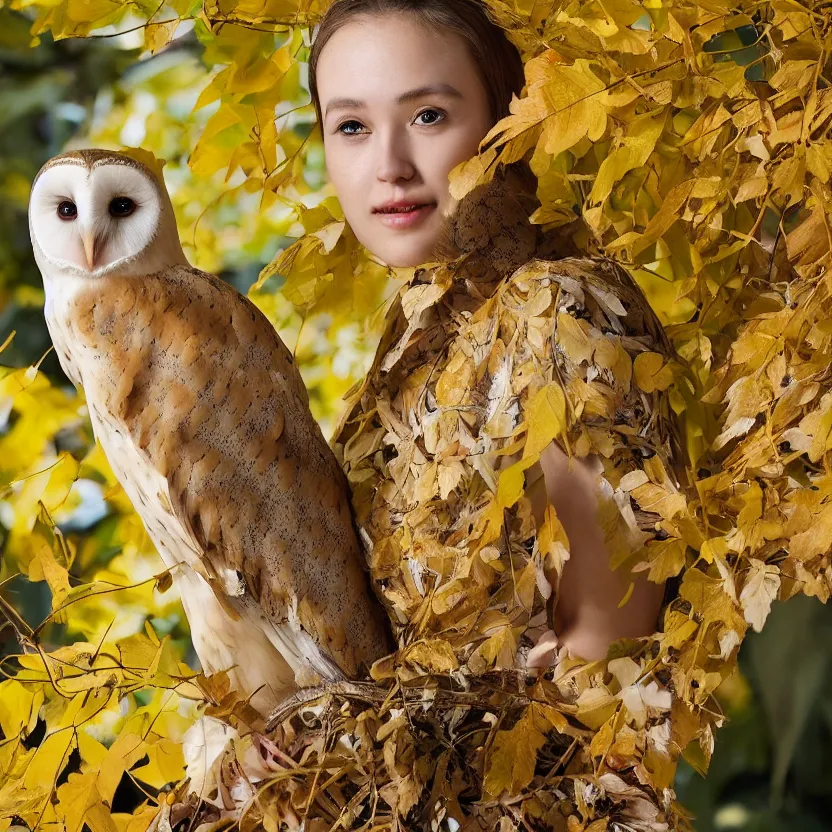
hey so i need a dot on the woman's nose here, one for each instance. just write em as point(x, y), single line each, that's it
point(394, 161)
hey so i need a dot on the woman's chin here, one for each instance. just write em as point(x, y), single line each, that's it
point(406, 257)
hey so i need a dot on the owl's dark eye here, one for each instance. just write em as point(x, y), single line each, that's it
point(122, 206)
point(67, 210)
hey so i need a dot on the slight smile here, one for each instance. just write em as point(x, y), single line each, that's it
point(405, 218)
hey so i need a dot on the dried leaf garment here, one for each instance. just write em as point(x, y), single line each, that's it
point(487, 356)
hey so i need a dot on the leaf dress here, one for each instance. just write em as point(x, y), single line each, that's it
point(488, 355)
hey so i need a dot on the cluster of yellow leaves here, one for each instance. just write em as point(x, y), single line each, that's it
point(408, 752)
point(114, 700)
point(774, 450)
point(689, 142)
point(83, 693)
point(49, 464)
point(646, 121)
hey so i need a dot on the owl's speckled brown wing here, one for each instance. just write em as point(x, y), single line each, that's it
point(210, 394)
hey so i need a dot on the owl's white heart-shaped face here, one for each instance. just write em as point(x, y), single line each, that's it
point(91, 219)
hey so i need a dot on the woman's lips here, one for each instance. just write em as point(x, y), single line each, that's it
point(406, 219)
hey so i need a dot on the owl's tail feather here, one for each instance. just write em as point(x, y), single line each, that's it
point(226, 640)
point(309, 662)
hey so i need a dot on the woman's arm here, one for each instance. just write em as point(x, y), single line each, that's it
point(587, 618)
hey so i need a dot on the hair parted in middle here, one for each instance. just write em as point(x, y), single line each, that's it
point(497, 60)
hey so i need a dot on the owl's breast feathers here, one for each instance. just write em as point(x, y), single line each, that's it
point(211, 398)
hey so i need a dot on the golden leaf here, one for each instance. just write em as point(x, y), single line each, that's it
point(546, 419)
point(435, 655)
point(510, 764)
point(760, 589)
point(651, 372)
point(634, 151)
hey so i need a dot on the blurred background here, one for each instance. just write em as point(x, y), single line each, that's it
point(772, 768)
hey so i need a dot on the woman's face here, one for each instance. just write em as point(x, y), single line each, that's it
point(384, 141)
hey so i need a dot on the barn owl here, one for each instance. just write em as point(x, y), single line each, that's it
point(204, 418)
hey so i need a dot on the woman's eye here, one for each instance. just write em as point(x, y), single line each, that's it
point(438, 115)
point(122, 206)
point(67, 210)
point(345, 124)
point(432, 110)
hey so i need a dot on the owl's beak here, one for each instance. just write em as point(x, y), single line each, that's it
point(89, 248)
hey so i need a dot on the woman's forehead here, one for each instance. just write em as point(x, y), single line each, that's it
point(387, 60)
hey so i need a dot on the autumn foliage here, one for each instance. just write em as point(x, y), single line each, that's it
point(691, 143)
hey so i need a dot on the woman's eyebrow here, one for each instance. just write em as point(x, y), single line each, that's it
point(419, 92)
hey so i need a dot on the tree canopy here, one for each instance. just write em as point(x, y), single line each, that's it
point(689, 141)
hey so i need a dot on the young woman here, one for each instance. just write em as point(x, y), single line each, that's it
point(405, 90)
